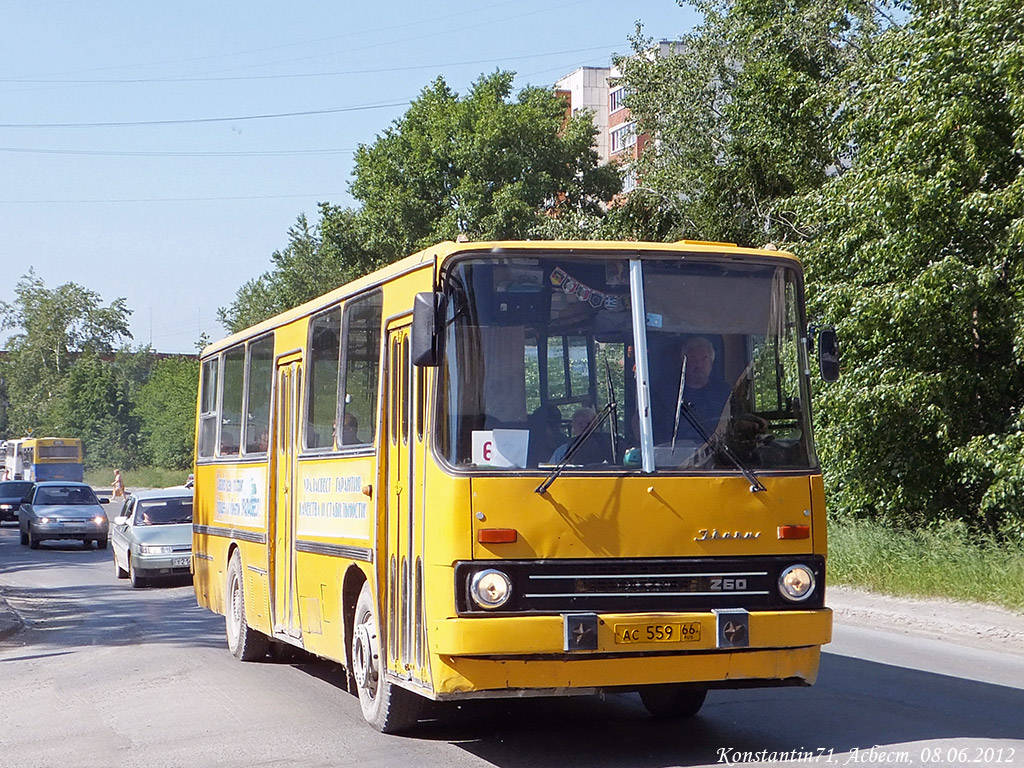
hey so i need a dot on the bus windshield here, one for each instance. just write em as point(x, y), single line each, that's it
point(540, 355)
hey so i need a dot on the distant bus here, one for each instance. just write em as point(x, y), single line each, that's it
point(522, 469)
point(44, 458)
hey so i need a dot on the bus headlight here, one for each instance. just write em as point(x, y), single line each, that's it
point(490, 588)
point(796, 583)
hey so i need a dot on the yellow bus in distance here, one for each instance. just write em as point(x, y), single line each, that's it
point(36, 459)
point(524, 468)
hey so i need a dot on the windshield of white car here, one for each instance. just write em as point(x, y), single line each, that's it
point(164, 512)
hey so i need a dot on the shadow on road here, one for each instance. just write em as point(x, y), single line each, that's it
point(106, 613)
point(856, 704)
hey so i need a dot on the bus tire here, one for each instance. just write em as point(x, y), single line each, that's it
point(244, 642)
point(674, 702)
point(387, 707)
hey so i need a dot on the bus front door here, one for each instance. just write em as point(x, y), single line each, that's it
point(284, 610)
point(402, 595)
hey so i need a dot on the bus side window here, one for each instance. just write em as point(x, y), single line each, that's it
point(322, 380)
point(208, 407)
point(260, 378)
point(361, 370)
point(231, 401)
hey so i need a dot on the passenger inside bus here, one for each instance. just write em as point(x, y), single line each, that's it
point(546, 434)
point(595, 450)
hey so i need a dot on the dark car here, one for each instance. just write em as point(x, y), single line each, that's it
point(59, 510)
point(11, 494)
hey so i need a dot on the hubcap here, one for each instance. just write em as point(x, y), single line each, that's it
point(364, 657)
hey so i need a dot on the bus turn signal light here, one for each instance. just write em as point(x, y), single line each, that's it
point(794, 531)
point(497, 535)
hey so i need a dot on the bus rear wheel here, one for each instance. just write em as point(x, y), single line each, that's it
point(245, 643)
point(385, 706)
point(666, 702)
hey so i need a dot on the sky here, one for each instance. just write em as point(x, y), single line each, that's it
point(160, 152)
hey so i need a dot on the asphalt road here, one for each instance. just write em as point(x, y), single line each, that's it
point(99, 674)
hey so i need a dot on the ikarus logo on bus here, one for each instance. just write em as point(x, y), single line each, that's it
point(713, 534)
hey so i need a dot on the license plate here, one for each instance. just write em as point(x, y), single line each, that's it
point(685, 632)
point(179, 562)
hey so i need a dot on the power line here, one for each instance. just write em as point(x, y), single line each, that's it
point(126, 153)
point(359, 34)
point(322, 196)
point(199, 120)
point(342, 73)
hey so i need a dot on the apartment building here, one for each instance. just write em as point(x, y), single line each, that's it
point(595, 90)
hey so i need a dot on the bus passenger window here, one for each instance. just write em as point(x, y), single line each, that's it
point(231, 402)
point(208, 408)
point(324, 361)
point(257, 408)
point(361, 370)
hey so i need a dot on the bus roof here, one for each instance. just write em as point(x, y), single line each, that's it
point(437, 255)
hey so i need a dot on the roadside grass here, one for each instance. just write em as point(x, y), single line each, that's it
point(945, 562)
point(143, 477)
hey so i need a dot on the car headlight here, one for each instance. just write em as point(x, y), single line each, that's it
point(796, 583)
point(490, 588)
point(150, 549)
point(44, 520)
point(99, 519)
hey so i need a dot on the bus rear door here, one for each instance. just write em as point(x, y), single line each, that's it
point(284, 611)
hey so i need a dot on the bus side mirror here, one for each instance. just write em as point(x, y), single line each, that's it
point(828, 354)
point(427, 314)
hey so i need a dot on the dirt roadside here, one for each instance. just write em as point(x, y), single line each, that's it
point(974, 624)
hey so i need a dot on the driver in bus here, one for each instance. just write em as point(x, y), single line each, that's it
point(705, 390)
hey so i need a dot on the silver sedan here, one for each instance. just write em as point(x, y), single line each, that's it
point(58, 510)
point(152, 536)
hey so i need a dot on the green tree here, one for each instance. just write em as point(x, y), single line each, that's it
point(741, 108)
point(52, 327)
point(484, 165)
point(166, 411)
point(883, 144)
point(95, 405)
point(914, 253)
point(318, 258)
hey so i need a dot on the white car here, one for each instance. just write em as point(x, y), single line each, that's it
point(152, 536)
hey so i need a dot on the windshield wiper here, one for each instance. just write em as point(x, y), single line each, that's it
point(687, 410)
point(576, 444)
point(679, 401)
point(613, 406)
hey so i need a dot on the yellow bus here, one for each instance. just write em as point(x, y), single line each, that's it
point(524, 468)
point(36, 459)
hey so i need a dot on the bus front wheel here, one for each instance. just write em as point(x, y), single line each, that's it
point(245, 643)
point(385, 706)
point(672, 701)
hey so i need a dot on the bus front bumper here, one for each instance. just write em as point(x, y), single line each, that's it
point(541, 654)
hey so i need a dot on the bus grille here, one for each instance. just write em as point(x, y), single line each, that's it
point(641, 586)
